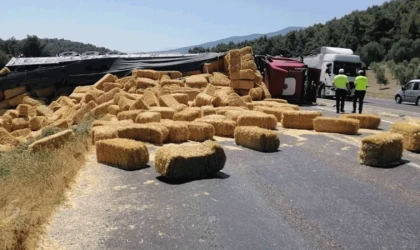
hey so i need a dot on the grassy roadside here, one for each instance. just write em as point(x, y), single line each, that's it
point(33, 184)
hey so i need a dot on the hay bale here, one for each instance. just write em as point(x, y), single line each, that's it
point(37, 122)
point(252, 118)
point(256, 138)
point(66, 101)
point(367, 121)
point(219, 81)
point(14, 101)
point(4, 71)
point(89, 97)
point(22, 133)
point(10, 93)
point(248, 65)
point(181, 98)
point(247, 98)
point(266, 92)
point(130, 83)
point(200, 131)
point(43, 92)
point(170, 101)
point(204, 99)
point(108, 86)
point(6, 123)
point(299, 119)
point(276, 111)
point(20, 123)
point(6, 139)
point(187, 115)
point(196, 81)
point(102, 109)
point(170, 82)
point(23, 110)
point(139, 104)
point(124, 103)
point(165, 112)
point(43, 111)
point(191, 73)
point(60, 123)
point(207, 110)
point(190, 161)
point(411, 133)
point(83, 89)
point(178, 131)
point(83, 111)
point(148, 117)
point(241, 84)
point(234, 100)
point(192, 93)
point(31, 101)
point(106, 78)
point(222, 126)
point(53, 141)
point(151, 133)
point(122, 153)
point(147, 73)
point(150, 98)
point(223, 110)
point(256, 93)
point(54, 106)
point(114, 109)
point(100, 133)
point(109, 117)
point(246, 74)
point(125, 80)
point(108, 96)
point(77, 96)
point(233, 114)
point(336, 125)
point(4, 104)
point(13, 113)
point(381, 150)
point(129, 115)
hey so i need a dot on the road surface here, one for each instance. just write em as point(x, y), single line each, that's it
point(312, 194)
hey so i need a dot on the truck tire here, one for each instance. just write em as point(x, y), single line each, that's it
point(417, 101)
point(321, 92)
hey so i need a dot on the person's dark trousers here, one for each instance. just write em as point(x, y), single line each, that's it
point(359, 95)
point(340, 98)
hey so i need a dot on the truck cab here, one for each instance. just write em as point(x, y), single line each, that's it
point(330, 61)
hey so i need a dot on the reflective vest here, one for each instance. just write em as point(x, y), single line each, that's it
point(361, 83)
point(341, 81)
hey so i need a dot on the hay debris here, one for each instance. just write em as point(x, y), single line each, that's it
point(154, 133)
point(299, 119)
point(122, 153)
point(367, 121)
point(336, 125)
point(411, 133)
point(200, 131)
point(381, 150)
point(190, 161)
point(148, 117)
point(256, 138)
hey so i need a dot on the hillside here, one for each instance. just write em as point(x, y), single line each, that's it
point(235, 39)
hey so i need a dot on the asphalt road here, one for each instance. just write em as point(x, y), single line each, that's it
point(380, 103)
point(312, 194)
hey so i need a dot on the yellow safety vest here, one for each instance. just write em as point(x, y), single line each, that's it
point(361, 83)
point(341, 81)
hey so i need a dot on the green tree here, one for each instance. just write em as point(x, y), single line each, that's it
point(380, 75)
point(4, 59)
point(372, 52)
point(32, 47)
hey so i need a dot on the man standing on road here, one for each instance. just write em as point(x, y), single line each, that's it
point(361, 85)
point(340, 83)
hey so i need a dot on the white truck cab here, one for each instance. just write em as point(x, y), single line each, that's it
point(330, 61)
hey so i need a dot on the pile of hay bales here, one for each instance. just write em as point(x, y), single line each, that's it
point(411, 134)
point(381, 150)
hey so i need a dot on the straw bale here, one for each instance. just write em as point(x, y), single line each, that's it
point(43, 111)
point(148, 117)
point(247, 98)
point(178, 131)
point(65, 101)
point(200, 131)
point(272, 104)
point(381, 150)
point(7, 123)
point(84, 110)
point(266, 92)
point(108, 96)
point(411, 133)
point(12, 113)
point(3, 111)
point(181, 98)
point(368, 121)
point(43, 92)
point(208, 110)
point(203, 99)
point(106, 78)
point(244, 74)
point(247, 57)
point(256, 93)
point(108, 86)
point(336, 125)
point(196, 81)
point(295, 119)
point(175, 74)
point(170, 82)
point(192, 93)
point(256, 138)
point(10, 93)
point(248, 65)
point(23, 109)
point(122, 153)
point(246, 50)
point(147, 73)
point(219, 81)
point(234, 114)
point(83, 89)
point(54, 106)
point(187, 115)
point(191, 73)
point(190, 161)
point(113, 109)
point(14, 101)
point(109, 117)
point(222, 126)
point(7, 139)
point(129, 115)
point(165, 112)
point(60, 123)
point(210, 90)
point(143, 83)
point(255, 118)
point(102, 109)
point(4, 70)
point(125, 80)
point(242, 92)
point(139, 104)
point(77, 96)
point(120, 124)
point(4, 104)
point(223, 110)
point(89, 97)
point(23, 133)
point(242, 84)
point(125, 103)
point(149, 132)
point(235, 100)
point(20, 123)
point(170, 101)
point(150, 98)
point(276, 111)
point(37, 122)
point(211, 67)
point(100, 133)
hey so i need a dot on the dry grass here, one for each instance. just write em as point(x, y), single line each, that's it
point(33, 184)
point(382, 149)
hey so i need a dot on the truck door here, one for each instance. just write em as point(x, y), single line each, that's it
point(407, 91)
point(414, 92)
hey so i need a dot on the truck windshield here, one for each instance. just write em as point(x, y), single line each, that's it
point(350, 69)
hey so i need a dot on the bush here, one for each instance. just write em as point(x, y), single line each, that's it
point(4, 59)
point(380, 74)
point(372, 52)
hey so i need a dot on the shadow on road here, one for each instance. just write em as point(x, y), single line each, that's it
point(218, 175)
point(393, 165)
point(128, 170)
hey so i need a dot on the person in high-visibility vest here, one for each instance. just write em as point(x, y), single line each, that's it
point(341, 83)
point(361, 84)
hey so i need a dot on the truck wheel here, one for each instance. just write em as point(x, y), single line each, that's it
point(417, 101)
point(322, 92)
point(398, 99)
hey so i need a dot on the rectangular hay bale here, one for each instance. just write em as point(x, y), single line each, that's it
point(367, 121)
point(336, 125)
point(148, 117)
point(187, 115)
point(53, 141)
point(259, 119)
point(256, 138)
point(381, 150)
point(299, 119)
point(411, 133)
point(222, 126)
point(200, 131)
point(151, 133)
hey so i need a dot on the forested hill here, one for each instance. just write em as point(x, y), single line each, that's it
point(34, 46)
point(389, 31)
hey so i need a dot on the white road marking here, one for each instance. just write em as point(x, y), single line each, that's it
point(386, 121)
point(414, 165)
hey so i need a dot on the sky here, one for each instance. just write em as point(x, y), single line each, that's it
point(152, 25)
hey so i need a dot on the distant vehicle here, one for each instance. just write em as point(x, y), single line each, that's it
point(68, 53)
point(90, 53)
point(409, 93)
point(330, 61)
